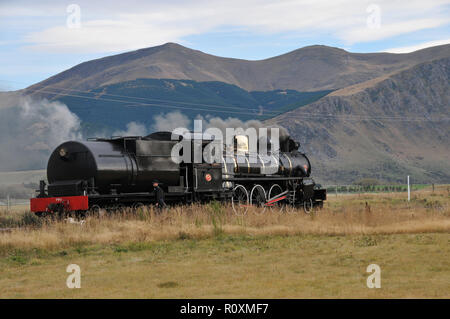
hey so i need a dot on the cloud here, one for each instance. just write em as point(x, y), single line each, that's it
point(386, 30)
point(102, 36)
point(416, 47)
point(143, 24)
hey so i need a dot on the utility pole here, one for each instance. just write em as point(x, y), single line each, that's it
point(7, 203)
point(409, 191)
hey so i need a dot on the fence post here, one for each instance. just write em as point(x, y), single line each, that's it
point(7, 203)
point(409, 191)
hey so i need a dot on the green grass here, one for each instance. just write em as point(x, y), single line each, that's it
point(238, 266)
point(386, 188)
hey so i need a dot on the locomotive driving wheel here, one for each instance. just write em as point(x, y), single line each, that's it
point(308, 206)
point(258, 198)
point(239, 200)
point(274, 192)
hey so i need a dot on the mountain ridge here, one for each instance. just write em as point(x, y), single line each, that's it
point(309, 68)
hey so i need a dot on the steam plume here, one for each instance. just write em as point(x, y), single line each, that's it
point(31, 129)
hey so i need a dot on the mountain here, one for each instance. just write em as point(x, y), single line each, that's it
point(311, 68)
point(114, 106)
point(386, 128)
point(358, 115)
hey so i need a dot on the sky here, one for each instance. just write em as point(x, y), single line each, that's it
point(39, 39)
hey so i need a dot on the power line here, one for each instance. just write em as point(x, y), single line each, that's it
point(201, 107)
point(146, 104)
point(304, 115)
point(358, 117)
point(150, 99)
point(145, 98)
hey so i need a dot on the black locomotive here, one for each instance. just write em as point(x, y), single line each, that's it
point(119, 172)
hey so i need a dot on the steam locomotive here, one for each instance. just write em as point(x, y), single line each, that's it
point(102, 174)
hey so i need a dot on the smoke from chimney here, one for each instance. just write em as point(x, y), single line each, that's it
point(31, 129)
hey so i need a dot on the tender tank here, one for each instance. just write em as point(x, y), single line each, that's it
point(122, 164)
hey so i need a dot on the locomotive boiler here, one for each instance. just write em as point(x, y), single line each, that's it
point(119, 172)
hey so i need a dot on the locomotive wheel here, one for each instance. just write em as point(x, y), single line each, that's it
point(275, 190)
point(239, 201)
point(258, 198)
point(308, 206)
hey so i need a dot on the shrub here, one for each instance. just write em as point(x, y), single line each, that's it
point(367, 182)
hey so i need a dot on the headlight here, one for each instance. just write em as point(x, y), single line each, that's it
point(63, 152)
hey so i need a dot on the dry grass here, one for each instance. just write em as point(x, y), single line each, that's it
point(343, 215)
point(15, 208)
point(208, 252)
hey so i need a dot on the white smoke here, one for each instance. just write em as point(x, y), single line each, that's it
point(31, 129)
point(162, 122)
point(231, 122)
point(170, 121)
point(133, 129)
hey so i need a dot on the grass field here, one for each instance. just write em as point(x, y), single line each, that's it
point(206, 251)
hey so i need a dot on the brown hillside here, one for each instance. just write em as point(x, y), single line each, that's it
point(307, 69)
point(385, 128)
